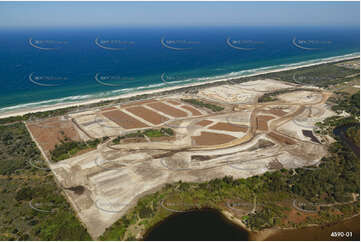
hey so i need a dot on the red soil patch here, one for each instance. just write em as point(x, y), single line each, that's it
point(229, 127)
point(297, 217)
point(51, 132)
point(277, 112)
point(173, 102)
point(147, 115)
point(262, 122)
point(281, 139)
point(204, 123)
point(194, 111)
point(164, 108)
point(109, 109)
point(124, 120)
point(207, 138)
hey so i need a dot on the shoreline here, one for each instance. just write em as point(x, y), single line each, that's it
point(261, 235)
point(264, 234)
point(23, 111)
point(252, 235)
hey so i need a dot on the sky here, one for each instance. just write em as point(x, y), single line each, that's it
point(113, 14)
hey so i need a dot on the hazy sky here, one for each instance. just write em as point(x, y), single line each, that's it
point(54, 14)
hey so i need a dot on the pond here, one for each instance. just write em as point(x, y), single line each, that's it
point(205, 224)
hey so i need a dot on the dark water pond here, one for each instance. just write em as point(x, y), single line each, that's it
point(206, 224)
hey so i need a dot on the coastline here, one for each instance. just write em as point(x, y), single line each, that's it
point(23, 111)
point(265, 234)
point(253, 236)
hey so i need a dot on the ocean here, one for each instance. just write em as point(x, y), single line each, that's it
point(41, 67)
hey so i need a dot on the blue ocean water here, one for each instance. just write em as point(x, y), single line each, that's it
point(49, 66)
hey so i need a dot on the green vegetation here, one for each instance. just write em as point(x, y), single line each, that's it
point(346, 102)
point(20, 183)
point(201, 104)
point(342, 102)
point(324, 75)
point(271, 96)
point(16, 148)
point(354, 134)
point(69, 148)
point(151, 133)
point(268, 217)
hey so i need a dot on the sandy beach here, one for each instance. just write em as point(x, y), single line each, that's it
point(23, 111)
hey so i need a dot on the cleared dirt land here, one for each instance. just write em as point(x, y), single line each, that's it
point(208, 138)
point(229, 127)
point(147, 115)
point(164, 108)
point(194, 111)
point(124, 120)
point(173, 102)
point(52, 131)
point(204, 123)
point(262, 122)
point(281, 139)
point(277, 112)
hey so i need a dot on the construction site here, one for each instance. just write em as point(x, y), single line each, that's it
point(245, 138)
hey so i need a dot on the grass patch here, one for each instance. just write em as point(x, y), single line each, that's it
point(151, 133)
point(69, 148)
point(198, 103)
